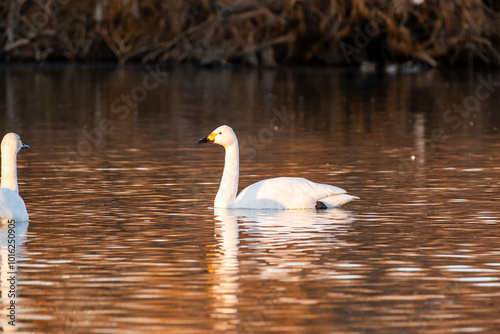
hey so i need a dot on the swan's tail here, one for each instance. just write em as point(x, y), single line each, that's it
point(337, 200)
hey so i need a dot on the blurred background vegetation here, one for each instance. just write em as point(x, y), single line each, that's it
point(254, 32)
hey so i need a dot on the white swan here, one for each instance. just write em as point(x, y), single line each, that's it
point(11, 204)
point(279, 193)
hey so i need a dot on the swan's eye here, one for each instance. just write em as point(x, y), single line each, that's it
point(220, 133)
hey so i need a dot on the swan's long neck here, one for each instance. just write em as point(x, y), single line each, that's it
point(9, 171)
point(229, 183)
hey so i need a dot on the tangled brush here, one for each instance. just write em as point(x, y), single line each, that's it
point(255, 32)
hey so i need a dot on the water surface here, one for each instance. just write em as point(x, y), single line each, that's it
point(122, 238)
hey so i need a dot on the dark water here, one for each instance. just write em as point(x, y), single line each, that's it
point(121, 238)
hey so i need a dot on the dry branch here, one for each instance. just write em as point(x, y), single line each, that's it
point(265, 32)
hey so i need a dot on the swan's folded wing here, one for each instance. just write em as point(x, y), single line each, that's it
point(12, 206)
point(334, 201)
point(284, 193)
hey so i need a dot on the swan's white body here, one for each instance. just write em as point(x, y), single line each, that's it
point(11, 204)
point(279, 193)
point(289, 193)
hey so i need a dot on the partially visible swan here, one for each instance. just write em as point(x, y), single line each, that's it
point(11, 204)
point(279, 193)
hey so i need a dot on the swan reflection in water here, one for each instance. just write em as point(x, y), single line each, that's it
point(276, 244)
point(12, 237)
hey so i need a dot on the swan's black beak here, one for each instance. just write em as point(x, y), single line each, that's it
point(208, 139)
point(24, 146)
point(203, 140)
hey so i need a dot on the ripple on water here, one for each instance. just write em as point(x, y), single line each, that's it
point(121, 238)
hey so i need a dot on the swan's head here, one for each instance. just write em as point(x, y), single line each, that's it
point(11, 142)
point(223, 135)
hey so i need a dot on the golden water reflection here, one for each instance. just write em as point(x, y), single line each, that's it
point(122, 239)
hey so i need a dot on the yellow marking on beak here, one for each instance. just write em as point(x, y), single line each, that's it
point(211, 137)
